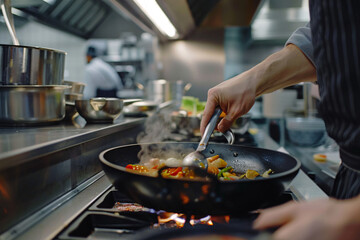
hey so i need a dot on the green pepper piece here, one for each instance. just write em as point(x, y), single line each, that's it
point(227, 169)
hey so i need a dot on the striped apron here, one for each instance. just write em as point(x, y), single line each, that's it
point(335, 29)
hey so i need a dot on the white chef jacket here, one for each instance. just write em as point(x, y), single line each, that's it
point(100, 75)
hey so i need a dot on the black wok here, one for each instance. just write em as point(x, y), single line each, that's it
point(203, 196)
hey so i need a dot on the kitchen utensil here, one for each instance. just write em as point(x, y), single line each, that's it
point(24, 65)
point(183, 123)
point(9, 20)
point(76, 87)
point(127, 102)
point(29, 105)
point(195, 158)
point(275, 103)
point(303, 131)
point(179, 90)
point(70, 109)
point(201, 196)
point(242, 124)
point(99, 110)
point(140, 108)
point(71, 97)
point(159, 91)
point(162, 90)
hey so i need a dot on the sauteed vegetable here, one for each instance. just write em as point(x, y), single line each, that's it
point(216, 166)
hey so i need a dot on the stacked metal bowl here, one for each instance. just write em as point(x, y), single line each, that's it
point(31, 85)
point(71, 95)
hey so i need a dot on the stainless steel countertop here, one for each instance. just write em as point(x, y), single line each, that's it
point(323, 172)
point(302, 186)
point(18, 144)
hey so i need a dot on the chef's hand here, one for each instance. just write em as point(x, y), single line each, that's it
point(323, 219)
point(235, 97)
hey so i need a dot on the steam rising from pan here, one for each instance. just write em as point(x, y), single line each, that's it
point(158, 129)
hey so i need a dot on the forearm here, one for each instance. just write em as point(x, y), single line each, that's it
point(282, 69)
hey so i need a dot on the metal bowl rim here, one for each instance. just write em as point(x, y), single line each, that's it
point(73, 83)
point(34, 47)
point(35, 86)
point(94, 100)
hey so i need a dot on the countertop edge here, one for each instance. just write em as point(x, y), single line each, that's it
point(19, 156)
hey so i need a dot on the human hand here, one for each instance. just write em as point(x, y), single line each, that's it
point(321, 220)
point(235, 97)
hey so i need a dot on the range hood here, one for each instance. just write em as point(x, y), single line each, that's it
point(268, 19)
point(83, 18)
point(277, 19)
point(79, 17)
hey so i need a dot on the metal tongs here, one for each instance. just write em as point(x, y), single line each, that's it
point(196, 158)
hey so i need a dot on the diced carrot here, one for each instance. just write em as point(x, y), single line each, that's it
point(213, 158)
point(212, 169)
point(320, 157)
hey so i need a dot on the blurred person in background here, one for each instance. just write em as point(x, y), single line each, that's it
point(325, 51)
point(101, 79)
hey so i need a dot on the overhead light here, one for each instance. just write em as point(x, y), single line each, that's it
point(153, 11)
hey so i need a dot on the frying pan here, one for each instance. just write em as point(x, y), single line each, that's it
point(201, 196)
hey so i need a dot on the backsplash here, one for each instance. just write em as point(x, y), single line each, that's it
point(36, 34)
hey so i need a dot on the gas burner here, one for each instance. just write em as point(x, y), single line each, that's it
point(114, 215)
point(204, 232)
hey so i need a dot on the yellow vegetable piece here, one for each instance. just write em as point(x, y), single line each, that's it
point(219, 163)
point(227, 174)
point(267, 173)
point(251, 174)
point(320, 157)
point(253, 131)
point(213, 158)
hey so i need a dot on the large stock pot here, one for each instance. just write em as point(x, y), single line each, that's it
point(25, 65)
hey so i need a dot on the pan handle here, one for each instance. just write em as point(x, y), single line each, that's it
point(229, 135)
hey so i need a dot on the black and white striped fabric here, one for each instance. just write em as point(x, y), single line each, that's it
point(335, 29)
